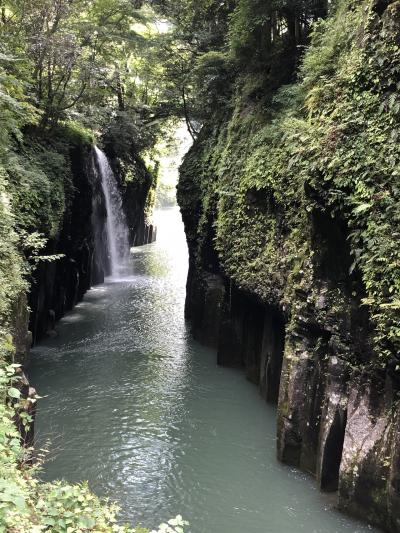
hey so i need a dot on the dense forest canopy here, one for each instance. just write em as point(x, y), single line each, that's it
point(92, 61)
point(86, 61)
point(122, 70)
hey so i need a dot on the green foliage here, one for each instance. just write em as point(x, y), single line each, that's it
point(16, 111)
point(197, 69)
point(354, 165)
point(11, 264)
point(68, 72)
point(71, 53)
point(213, 80)
point(331, 41)
point(326, 146)
point(259, 30)
point(74, 133)
point(39, 180)
point(125, 133)
point(249, 23)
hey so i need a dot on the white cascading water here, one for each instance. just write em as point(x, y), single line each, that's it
point(116, 226)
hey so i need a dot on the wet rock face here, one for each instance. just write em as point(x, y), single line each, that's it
point(204, 306)
point(245, 333)
point(299, 411)
point(135, 191)
point(370, 467)
point(342, 427)
point(57, 286)
point(332, 425)
point(300, 330)
point(22, 337)
point(338, 425)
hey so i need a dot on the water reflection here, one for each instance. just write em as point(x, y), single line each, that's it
point(139, 409)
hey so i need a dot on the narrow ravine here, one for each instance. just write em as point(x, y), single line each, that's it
point(136, 407)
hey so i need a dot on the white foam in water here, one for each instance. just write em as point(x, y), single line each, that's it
point(116, 226)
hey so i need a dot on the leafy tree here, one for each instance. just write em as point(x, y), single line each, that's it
point(73, 52)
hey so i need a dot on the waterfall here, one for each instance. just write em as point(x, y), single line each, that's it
point(116, 226)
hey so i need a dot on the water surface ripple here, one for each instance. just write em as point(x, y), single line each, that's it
point(139, 409)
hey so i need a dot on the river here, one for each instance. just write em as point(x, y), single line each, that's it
point(139, 409)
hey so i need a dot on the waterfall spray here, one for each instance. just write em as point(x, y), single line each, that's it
point(116, 226)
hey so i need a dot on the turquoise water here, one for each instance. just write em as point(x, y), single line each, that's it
point(139, 409)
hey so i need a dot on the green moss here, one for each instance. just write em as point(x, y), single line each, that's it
point(11, 263)
point(74, 133)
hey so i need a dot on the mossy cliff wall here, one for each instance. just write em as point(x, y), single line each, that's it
point(291, 209)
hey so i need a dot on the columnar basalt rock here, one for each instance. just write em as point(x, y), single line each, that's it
point(331, 422)
point(272, 350)
point(59, 285)
point(245, 333)
point(369, 470)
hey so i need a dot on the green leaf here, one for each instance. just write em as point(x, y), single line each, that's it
point(361, 208)
point(14, 393)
